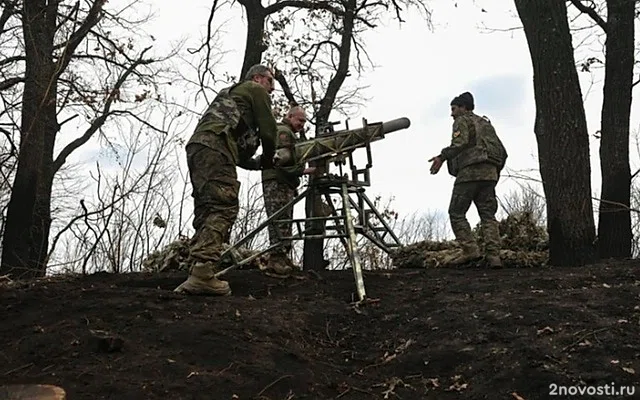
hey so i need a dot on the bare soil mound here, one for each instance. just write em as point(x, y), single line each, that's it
point(428, 334)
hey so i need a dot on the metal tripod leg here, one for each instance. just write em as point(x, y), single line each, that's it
point(263, 225)
point(354, 256)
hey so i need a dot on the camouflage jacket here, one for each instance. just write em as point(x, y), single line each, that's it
point(242, 113)
point(457, 155)
point(289, 175)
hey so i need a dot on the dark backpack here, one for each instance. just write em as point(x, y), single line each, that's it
point(485, 147)
point(487, 139)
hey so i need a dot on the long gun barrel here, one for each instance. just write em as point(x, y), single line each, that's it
point(329, 145)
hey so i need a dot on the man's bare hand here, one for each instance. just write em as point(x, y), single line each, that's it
point(436, 164)
point(309, 171)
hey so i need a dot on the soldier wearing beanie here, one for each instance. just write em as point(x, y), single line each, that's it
point(475, 157)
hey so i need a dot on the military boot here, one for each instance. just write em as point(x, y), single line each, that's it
point(202, 281)
point(279, 265)
point(468, 253)
point(494, 261)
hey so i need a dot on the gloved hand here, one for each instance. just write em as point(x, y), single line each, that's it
point(436, 164)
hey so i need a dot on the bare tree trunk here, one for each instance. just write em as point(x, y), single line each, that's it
point(255, 45)
point(314, 248)
point(614, 222)
point(561, 132)
point(28, 222)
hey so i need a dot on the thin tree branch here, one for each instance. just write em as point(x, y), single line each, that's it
point(78, 36)
point(285, 87)
point(98, 122)
point(9, 60)
point(11, 82)
point(591, 12)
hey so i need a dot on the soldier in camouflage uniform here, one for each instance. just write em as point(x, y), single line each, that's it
point(279, 187)
point(475, 157)
point(238, 120)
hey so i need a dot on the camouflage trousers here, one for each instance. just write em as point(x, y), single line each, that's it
point(215, 199)
point(276, 195)
point(482, 194)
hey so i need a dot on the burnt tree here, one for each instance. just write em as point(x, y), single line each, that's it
point(561, 132)
point(55, 80)
point(614, 219)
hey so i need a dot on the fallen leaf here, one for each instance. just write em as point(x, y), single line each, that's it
point(614, 362)
point(622, 321)
point(434, 382)
point(629, 370)
point(605, 285)
point(546, 329)
point(458, 386)
point(517, 396)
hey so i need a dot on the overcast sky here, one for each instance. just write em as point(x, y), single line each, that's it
point(420, 71)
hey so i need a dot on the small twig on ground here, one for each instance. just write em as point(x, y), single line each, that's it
point(327, 332)
point(273, 383)
point(226, 369)
point(364, 391)
point(18, 369)
point(583, 337)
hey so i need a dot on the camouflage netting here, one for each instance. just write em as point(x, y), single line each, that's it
point(173, 258)
point(524, 244)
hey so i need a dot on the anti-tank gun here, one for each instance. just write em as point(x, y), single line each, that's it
point(337, 147)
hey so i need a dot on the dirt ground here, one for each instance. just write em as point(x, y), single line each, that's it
point(426, 334)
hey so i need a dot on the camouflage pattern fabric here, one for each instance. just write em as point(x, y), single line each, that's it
point(466, 161)
point(482, 194)
point(242, 115)
point(215, 194)
point(276, 195)
point(237, 121)
point(279, 188)
point(289, 174)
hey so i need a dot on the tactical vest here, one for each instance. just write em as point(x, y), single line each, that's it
point(222, 109)
point(485, 147)
point(285, 173)
point(223, 116)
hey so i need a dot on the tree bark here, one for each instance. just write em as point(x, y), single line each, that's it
point(26, 234)
point(614, 219)
point(313, 254)
point(254, 46)
point(561, 133)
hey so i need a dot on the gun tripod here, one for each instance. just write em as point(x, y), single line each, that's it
point(340, 224)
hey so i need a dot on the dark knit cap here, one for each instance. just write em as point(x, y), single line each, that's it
point(465, 100)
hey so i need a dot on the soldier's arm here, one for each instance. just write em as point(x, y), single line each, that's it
point(266, 124)
point(286, 140)
point(459, 140)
